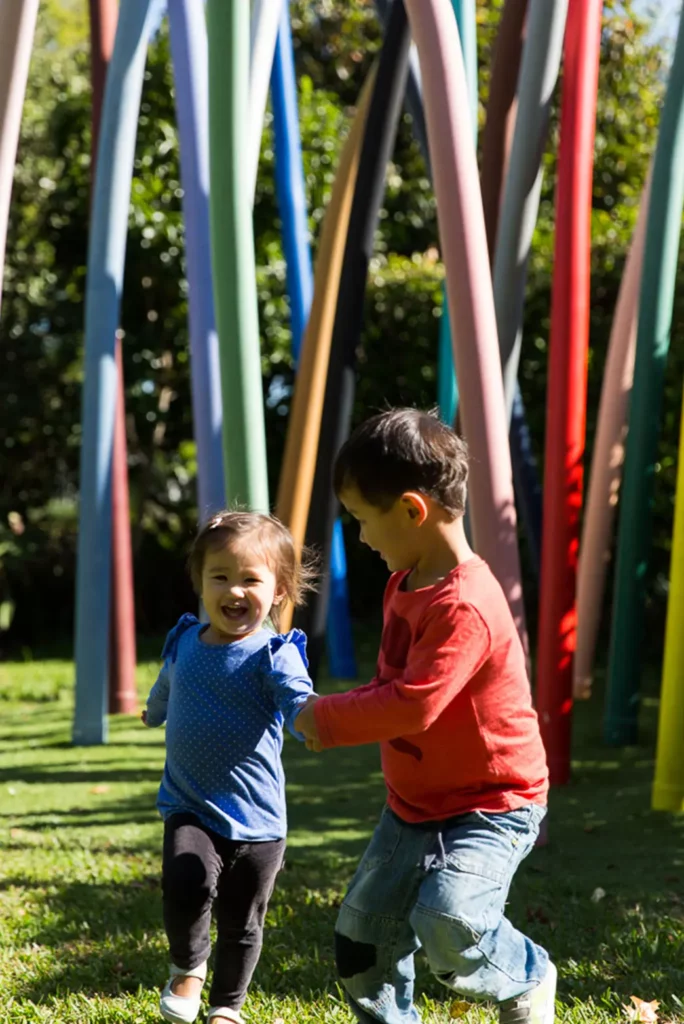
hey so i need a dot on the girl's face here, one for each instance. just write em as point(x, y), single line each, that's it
point(238, 591)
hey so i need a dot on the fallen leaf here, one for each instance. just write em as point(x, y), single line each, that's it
point(459, 1008)
point(642, 1011)
point(100, 789)
point(598, 894)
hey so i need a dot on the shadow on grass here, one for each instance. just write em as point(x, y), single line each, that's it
point(605, 896)
point(19, 727)
point(139, 810)
point(104, 938)
point(45, 738)
point(60, 774)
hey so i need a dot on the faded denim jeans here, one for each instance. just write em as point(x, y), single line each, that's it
point(443, 889)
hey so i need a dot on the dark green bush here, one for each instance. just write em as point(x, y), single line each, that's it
point(41, 331)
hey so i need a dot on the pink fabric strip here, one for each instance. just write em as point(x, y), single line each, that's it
point(17, 28)
point(608, 457)
point(469, 289)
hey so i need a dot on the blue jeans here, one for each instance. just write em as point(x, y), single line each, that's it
point(442, 889)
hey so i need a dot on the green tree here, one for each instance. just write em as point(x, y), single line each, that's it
point(41, 333)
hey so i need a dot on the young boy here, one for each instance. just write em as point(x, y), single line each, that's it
point(462, 756)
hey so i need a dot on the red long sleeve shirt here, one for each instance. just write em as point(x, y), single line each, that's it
point(450, 704)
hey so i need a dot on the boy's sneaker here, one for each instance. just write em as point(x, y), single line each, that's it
point(536, 1006)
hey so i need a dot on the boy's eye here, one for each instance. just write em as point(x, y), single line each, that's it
point(252, 579)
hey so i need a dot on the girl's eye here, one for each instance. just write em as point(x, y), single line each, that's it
point(252, 579)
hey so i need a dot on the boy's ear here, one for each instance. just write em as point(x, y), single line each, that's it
point(416, 506)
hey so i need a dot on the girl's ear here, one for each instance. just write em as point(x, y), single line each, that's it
point(416, 507)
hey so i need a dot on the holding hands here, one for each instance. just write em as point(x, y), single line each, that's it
point(305, 722)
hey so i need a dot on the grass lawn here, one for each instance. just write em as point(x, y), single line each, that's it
point(80, 915)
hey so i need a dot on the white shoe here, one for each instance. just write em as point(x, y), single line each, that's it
point(224, 1011)
point(181, 1009)
point(535, 1007)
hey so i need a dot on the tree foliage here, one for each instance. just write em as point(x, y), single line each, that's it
point(41, 332)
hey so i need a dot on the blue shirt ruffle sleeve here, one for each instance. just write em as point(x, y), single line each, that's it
point(158, 700)
point(170, 648)
point(288, 678)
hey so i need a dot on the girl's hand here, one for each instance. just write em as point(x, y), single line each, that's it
point(143, 716)
point(314, 745)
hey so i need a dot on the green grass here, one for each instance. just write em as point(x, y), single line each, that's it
point(80, 915)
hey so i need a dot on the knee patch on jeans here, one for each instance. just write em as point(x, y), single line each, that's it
point(353, 957)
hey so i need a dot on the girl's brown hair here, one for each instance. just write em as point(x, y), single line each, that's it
point(274, 541)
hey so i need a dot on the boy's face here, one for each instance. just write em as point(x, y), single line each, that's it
point(393, 534)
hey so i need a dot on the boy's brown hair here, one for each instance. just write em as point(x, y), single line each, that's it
point(273, 541)
point(405, 450)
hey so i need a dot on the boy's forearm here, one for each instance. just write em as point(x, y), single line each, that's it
point(371, 714)
point(437, 669)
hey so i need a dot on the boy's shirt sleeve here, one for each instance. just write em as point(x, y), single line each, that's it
point(452, 644)
point(288, 679)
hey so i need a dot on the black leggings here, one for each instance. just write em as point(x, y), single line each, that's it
point(202, 869)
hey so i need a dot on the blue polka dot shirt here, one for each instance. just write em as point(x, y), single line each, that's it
point(225, 706)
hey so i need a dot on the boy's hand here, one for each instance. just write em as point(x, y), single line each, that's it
point(305, 722)
point(143, 716)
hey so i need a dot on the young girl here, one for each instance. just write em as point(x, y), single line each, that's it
point(225, 690)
